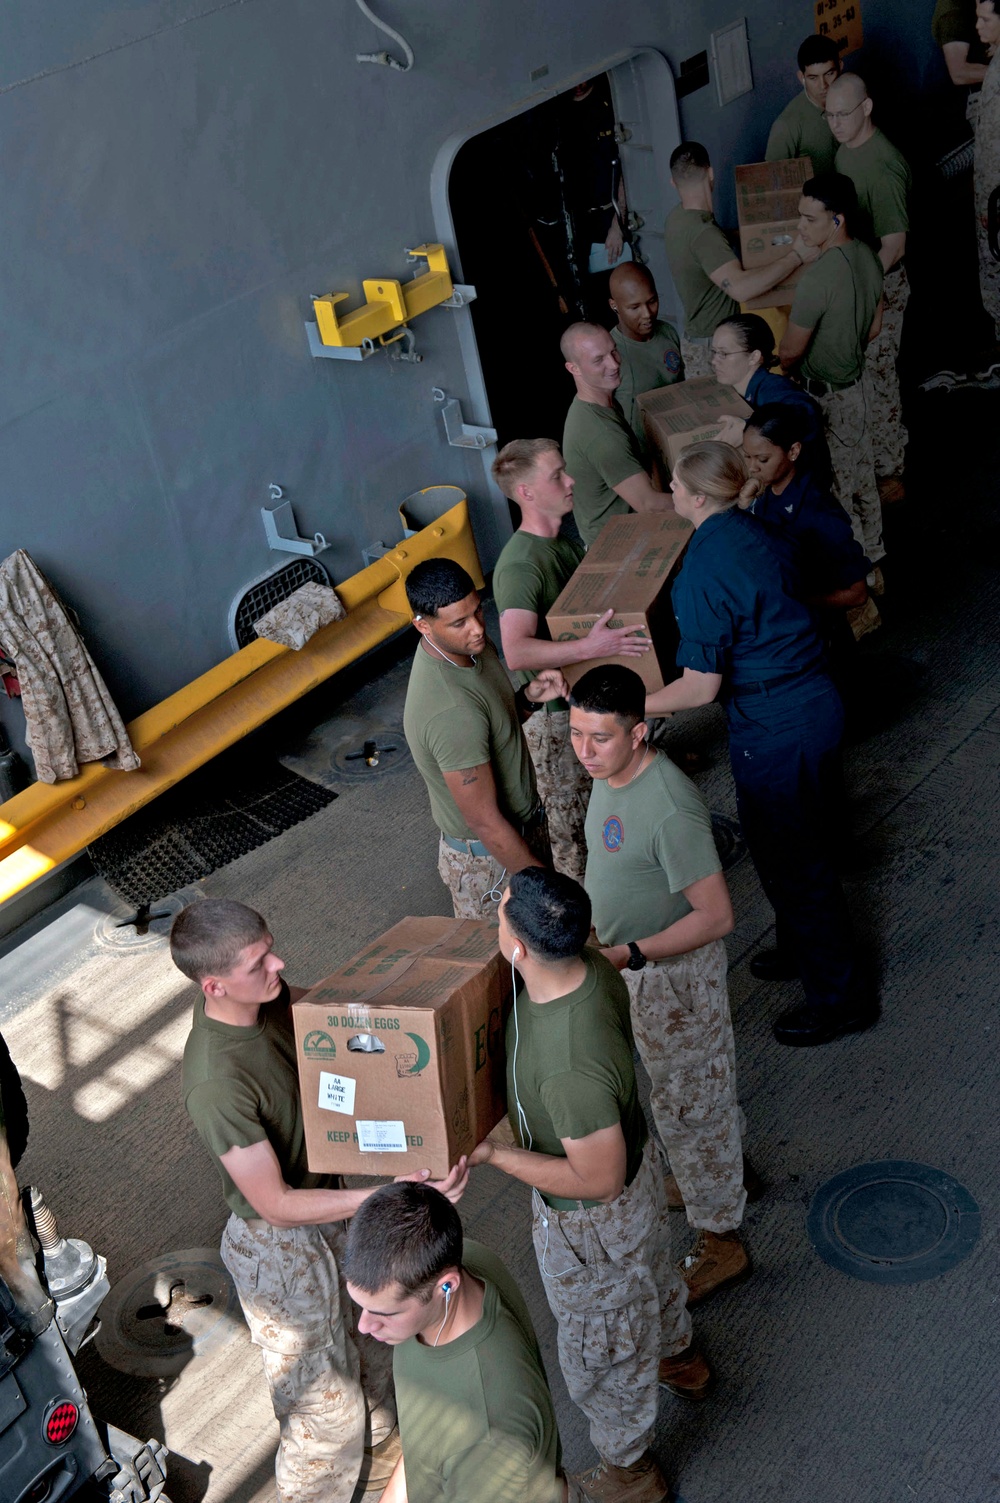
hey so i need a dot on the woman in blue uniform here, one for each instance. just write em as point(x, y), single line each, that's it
point(741, 353)
point(748, 638)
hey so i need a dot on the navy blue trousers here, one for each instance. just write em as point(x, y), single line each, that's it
point(785, 753)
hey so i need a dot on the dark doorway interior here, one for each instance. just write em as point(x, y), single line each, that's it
point(529, 199)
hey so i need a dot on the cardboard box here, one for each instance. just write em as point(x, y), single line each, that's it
point(687, 413)
point(767, 208)
point(627, 569)
point(401, 1052)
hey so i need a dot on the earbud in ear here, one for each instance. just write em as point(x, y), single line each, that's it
point(836, 221)
point(445, 1288)
point(517, 951)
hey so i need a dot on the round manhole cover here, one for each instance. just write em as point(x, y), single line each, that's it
point(729, 840)
point(893, 1222)
point(115, 931)
point(165, 1313)
point(369, 751)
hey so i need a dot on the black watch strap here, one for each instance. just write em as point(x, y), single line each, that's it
point(637, 960)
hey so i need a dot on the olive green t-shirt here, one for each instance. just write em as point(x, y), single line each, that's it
point(600, 452)
point(646, 842)
point(530, 575)
point(837, 297)
point(801, 131)
point(695, 248)
point(882, 177)
point(461, 717)
point(570, 1068)
point(475, 1415)
point(954, 21)
point(646, 364)
point(241, 1087)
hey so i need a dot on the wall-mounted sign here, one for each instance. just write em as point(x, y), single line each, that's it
point(841, 20)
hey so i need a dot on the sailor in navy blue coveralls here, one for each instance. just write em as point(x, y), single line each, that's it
point(742, 625)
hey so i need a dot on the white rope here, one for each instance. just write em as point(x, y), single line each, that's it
point(385, 59)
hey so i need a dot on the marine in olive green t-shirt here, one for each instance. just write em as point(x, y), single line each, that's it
point(600, 452)
point(695, 248)
point(646, 365)
point(573, 1072)
point(801, 131)
point(646, 843)
point(837, 297)
point(475, 1415)
point(241, 1086)
point(882, 177)
point(530, 575)
point(954, 21)
point(462, 717)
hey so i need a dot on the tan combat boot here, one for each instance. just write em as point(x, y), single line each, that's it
point(717, 1259)
point(687, 1374)
point(642, 1482)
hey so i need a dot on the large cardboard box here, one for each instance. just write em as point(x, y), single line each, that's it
point(627, 569)
point(687, 413)
point(767, 208)
point(401, 1052)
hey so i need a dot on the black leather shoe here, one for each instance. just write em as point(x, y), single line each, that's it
point(772, 965)
point(802, 1027)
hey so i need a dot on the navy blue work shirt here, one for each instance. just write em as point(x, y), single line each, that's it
point(738, 604)
point(765, 387)
point(828, 555)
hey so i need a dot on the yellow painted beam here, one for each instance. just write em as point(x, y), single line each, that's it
point(50, 822)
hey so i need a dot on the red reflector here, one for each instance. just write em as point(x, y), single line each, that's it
point(61, 1423)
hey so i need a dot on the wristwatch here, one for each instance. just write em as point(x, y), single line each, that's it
point(636, 959)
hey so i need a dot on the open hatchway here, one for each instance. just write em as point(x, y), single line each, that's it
point(536, 203)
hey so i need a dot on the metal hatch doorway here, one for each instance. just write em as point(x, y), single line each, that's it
point(500, 205)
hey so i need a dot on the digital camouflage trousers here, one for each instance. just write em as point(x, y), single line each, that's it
point(563, 786)
point(848, 418)
point(684, 1035)
point(619, 1304)
point(476, 883)
point(322, 1375)
point(889, 436)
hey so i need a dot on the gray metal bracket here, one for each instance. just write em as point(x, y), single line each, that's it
point(461, 435)
point(461, 295)
point(281, 531)
point(336, 352)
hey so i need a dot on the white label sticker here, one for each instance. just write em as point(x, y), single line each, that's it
point(381, 1137)
point(336, 1093)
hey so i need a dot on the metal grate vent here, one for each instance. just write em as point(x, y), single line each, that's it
point(258, 599)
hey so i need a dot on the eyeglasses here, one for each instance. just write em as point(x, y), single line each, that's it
point(715, 354)
point(841, 114)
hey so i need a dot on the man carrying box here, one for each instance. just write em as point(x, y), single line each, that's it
point(649, 349)
point(801, 130)
point(601, 451)
point(462, 722)
point(599, 1214)
point(661, 909)
point(534, 566)
point(281, 1241)
point(711, 282)
point(475, 1413)
point(881, 177)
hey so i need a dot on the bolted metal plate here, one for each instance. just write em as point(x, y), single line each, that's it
point(169, 1312)
point(729, 840)
point(893, 1222)
point(114, 932)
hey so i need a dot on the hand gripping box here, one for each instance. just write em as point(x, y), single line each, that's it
point(401, 1052)
point(627, 569)
point(687, 413)
point(767, 208)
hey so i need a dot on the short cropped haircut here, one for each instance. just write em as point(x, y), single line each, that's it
point(836, 192)
point(753, 333)
point(816, 49)
point(689, 160)
point(549, 912)
point(611, 690)
point(207, 938)
point(435, 584)
point(781, 423)
point(516, 461)
point(405, 1235)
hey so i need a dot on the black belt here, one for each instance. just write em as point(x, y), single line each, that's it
point(739, 690)
point(824, 388)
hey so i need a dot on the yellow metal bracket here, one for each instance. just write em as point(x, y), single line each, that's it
point(388, 305)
